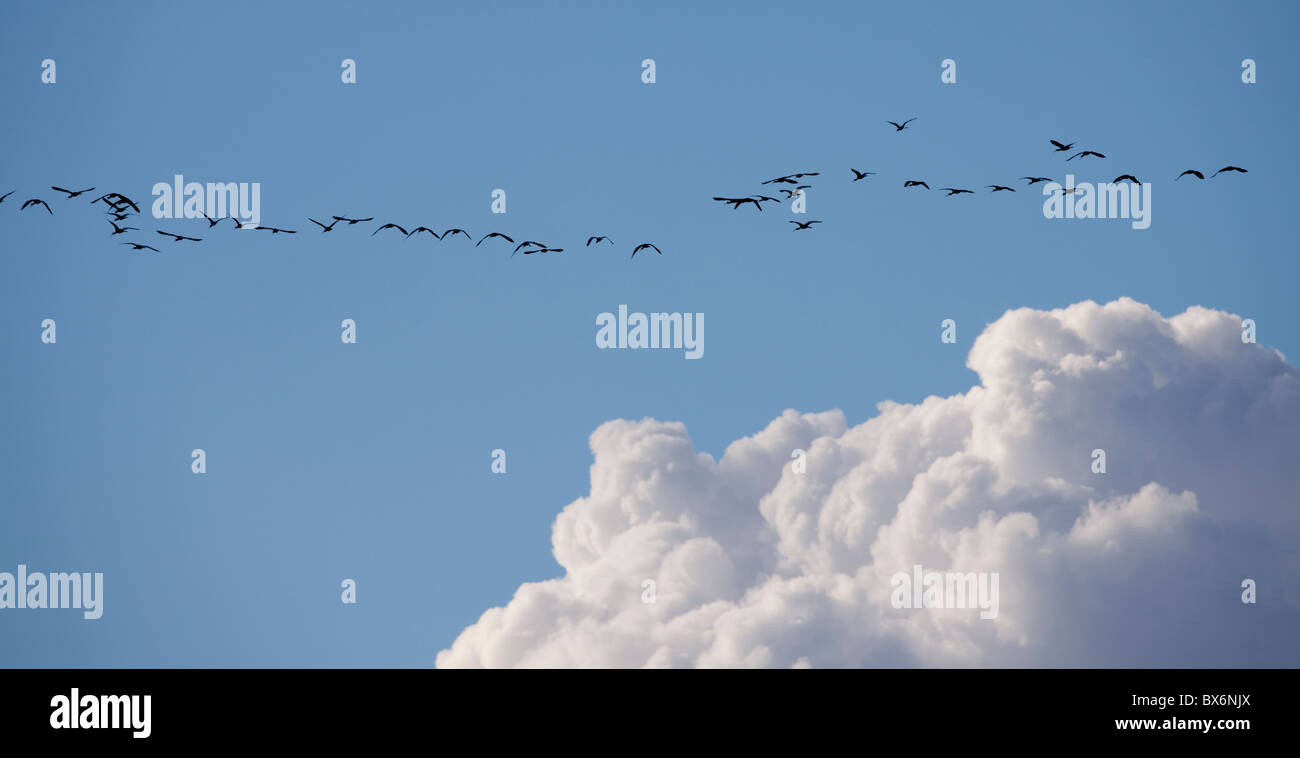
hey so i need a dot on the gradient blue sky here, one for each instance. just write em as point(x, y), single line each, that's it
point(371, 461)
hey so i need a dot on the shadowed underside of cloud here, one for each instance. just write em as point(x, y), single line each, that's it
point(757, 564)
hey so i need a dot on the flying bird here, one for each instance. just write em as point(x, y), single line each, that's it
point(323, 227)
point(118, 216)
point(1085, 154)
point(36, 201)
point(900, 127)
point(1122, 177)
point(1228, 168)
point(120, 201)
point(71, 194)
point(643, 246)
point(1000, 188)
point(790, 178)
point(7, 194)
point(122, 229)
point(419, 229)
point(211, 221)
point(542, 250)
point(178, 237)
point(1061, 148)
point(389, 226)
point(801, 225)
point(765, 199)
point(912, 183)
point(457, 231)
point(861, 174)
point(736, 202)
point(1036, 179)
point(138, 246)
point(598, 240)
point(954, 191)
point(529, 243)
point(490, 235)
point(352, 221)
point(1193, 172)
point(274, 230)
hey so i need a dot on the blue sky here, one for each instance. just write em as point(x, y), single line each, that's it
point(372, 461)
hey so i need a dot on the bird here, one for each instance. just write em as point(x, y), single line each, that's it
point(1061, 148)
point(790, 193)
point(861, 174)
point(419, 229)
point(389, 226)
point(274, 230)
point(7, 194)
point(118, 216)
point(598, 240)
point(913, 183)
point(1000, 188)
point(323, 227)
point(211, 221)
point(70, 193)
point(352, 221)
point(1193, 172)
point(1228, 168)
point(178, 237)
point(900, 127)
point(790, 178)
point(490, 235)
point(765, 199)
point(1122, 177)
point(36, 201)
point(954, 191)
point(1036, 179)
point(736, 202)
point(138, 246)
point(121, 229)
point(643, 246)
point(529, 243)
point(120, 201)
point(542, 250)
point(800, 225)
point(1085, 154)
point(1069, 191)
point(456, 231)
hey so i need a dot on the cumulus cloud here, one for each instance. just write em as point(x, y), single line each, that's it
point(757, 564)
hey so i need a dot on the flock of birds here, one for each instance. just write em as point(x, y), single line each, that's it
point(121, 208)
point(1060, 147)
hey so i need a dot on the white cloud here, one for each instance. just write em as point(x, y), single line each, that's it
point(756, 565)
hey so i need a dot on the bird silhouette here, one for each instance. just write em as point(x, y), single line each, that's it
point(36, 201)
point(598, 240)
point(122, 229)
point(71, 194)
point(274, 230)
point(528, 243)
point(323, 227)
point(861, 174)
point(389, 226)
point(913, 183)
point(138, 246)
point(1122, 177)
point(178, 237)
point(212, 221)
point(765, 199)
point(419, 229)
point(900, 127)
point(803, 225)
point(490, 235)
point(954, 191)
point(1061, 148)
point(1228, 168)
point(1036, 179)
point(456, 231)
point(542, 250)
point(643, 246)
point(1085, 154)
point(1193, 172)
point(1000, 188)
point(791, 178)
point(352, 221)
point(736, 202)
point(7, 194)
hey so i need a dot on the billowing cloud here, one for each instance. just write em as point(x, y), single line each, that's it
point(755, 563)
